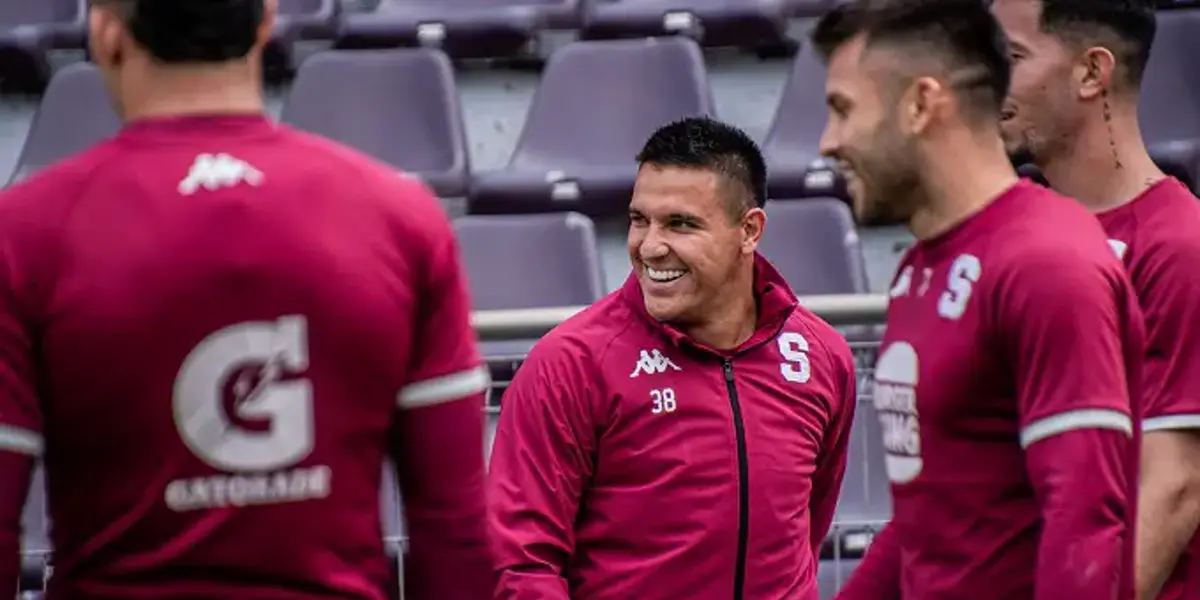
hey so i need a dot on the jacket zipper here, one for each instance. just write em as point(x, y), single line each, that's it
point(739, 434)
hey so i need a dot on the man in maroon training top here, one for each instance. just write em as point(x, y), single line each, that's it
point(684, 437)
point(1072, 110)
point(214, 329)
point(1014, 339)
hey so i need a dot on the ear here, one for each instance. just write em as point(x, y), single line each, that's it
point(1094, 72)
point(106, 31)
point(754, 223)
point(920, 103)
point(270, 11)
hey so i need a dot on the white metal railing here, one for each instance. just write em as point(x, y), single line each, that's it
point(529, 323)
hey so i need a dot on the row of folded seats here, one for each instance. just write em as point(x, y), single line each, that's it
point(594, 106)
point(464, 28)
point(532, 261)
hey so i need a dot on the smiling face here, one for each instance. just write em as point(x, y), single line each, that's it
point(1042, 111)
point(862, 134)
point(685, 243)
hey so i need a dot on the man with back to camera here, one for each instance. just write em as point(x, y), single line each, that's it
point(1013, 339)
point(686, 436)
point(1072, 109)
point(217, 328)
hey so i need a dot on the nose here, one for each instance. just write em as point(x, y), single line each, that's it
point(653, 245)
point(828, 145)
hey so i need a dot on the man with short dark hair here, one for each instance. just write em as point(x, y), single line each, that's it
point(214, 329)
point(1072, 111)
point(684, 437)
point(1013, 339)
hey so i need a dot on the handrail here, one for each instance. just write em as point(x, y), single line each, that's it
point(529, 323)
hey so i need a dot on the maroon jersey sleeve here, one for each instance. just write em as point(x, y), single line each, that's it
point(439, 430)
point(1064, 322)
point(541, 460)
point(827, 481)
point(878, 575)
point(1170, 299)
point(20, 412)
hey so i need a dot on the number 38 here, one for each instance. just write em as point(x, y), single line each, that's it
point(664, 400)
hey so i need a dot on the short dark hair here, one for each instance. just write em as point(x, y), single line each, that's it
point(962, 34)
point(706, 143)
point(1125, 27)
point(192, 31)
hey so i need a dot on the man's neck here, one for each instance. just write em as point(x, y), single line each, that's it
point(227, 89)
point(965, 176)
point(729, 325)
point(1106, 165)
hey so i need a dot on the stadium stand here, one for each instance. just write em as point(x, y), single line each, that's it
point(399, 106)
point(28, 30)
point(536, 153)
point(626, 89)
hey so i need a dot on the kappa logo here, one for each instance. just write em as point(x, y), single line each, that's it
point(215, 171)
point(653, 362)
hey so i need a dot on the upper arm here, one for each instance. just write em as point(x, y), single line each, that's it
point(542, 457)
point(1070, 334)
point(21, 439)
point(444, 361)
point(831, 469)
point(1170, 299)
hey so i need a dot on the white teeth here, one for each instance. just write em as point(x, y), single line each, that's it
point(664, 275)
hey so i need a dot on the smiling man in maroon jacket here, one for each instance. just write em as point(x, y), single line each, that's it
point(686, 436)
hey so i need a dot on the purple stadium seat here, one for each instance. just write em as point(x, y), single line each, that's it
point(795, 167)
point(528, 261)
point(1170, 100)
point(746, 23)
point(462, 28)
point(300, 20)
point(400, 106)
point(815, 247)
point(74, 114)
point(30, 28)
point(597, 103)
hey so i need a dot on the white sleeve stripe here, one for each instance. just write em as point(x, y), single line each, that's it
point(21, 441)
point(1168, 422)
point(1072, 420)
point(444, 388)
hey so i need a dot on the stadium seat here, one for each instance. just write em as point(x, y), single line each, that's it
point(595, 106)
point(866, 500)
point(745, 23)
point(528, 261)
point(815, 246)
point(1170, 100)
point(795, 167)
point(400, 106)
point(832, 575)
point(462, 28)
point(35, 535)
point(28, 30)
point(300, 20)
point(74, 114)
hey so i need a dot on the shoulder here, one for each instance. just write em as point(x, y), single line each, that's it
point(584, 340)
point(59, 185)
point(827, 348)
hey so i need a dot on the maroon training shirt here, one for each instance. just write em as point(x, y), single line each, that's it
point(215, 327)
point(1158, 237)
point(1003, 386)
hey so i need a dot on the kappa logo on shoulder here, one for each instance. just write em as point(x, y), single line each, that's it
point(653, 362)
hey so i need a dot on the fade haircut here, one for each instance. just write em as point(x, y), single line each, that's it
point(1125, 27)
point(705, 143)
point(191, 31)
point(962, 35)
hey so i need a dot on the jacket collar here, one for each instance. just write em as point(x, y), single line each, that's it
point(774, 297)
